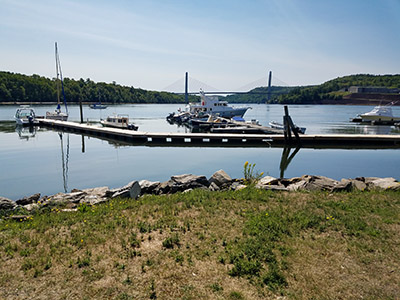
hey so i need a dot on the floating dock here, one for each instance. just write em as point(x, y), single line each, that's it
point(341, 141)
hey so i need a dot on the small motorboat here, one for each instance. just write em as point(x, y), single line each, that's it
point(280, 126)
point(97, 105)
point(119, 121)
point(25, 116)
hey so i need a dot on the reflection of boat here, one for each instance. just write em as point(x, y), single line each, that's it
point(25, 116)
point(98, 105)
point(25, 133)
point(280, 126)
point(57, 114)
point(380, 114)
point(211, 105)
point(119, 121)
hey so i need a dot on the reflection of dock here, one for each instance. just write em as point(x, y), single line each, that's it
point(355, 141)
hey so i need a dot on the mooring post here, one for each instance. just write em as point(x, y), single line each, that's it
point(81, 110)
point(286, 126)
point(186, 89)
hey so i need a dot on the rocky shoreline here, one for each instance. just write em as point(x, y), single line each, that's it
point(220, 180)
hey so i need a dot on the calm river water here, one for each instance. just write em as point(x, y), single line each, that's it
point(47, 162)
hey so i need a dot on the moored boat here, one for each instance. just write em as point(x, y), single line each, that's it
point(280, 126)
point(57, 114)
point(98, 105)
point(381, 114)
point(25, 116)
point(213, 106)
point(119, 121)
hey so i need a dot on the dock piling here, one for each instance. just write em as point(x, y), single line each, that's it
point(289, 127)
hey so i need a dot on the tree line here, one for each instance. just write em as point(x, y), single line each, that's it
point(23, 88)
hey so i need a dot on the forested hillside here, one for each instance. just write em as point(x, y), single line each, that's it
point(260, 95)
point(331, 89)
point(35, 88)
point(316, 93)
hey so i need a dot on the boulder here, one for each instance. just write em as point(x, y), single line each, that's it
point(220, 178)
point(180, 183)
point(268, 181)
point(214, 187)
point(31, 206)
point(148, 187)
point(93, 199)
point(318, 183)
point(273, 187)
point(187, 181)
point(98, 191)
point(356, 184)
point(388, 183)
point(28, 200)
point(6, 203)
point(131, 190)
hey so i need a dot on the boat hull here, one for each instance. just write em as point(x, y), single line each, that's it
point(56, 116)
point(122, 126)
point(372, 118)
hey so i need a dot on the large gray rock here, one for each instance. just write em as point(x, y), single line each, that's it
point(267, 180)
point(28, 200)
point(214, 187)
point(190, 180)
point(388, 183)
point(180, 183)
point(148, 187)
point(6, 203)
point(131, 190)
point(220, 178)
point(356, 184)
point(318, 183)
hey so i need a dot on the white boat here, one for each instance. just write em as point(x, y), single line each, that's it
point(25, 116)
point(212, 106)
point(97, 105)
point(119, 121)
point(280, 126)
point(58, 114)
point(380, 113)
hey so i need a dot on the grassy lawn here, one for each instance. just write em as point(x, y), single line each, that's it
point(247, 244)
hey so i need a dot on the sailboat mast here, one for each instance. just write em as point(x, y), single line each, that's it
point(58, 74)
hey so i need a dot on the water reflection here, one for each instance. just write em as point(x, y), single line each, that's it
point(361, 129)
point(286, 159)
point(64, 158)
point(25, 133)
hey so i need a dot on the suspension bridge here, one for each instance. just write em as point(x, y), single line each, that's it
point(181, 86)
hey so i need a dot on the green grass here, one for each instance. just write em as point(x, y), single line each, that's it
point(248, 244)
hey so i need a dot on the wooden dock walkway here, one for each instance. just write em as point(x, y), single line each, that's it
point(342, 141)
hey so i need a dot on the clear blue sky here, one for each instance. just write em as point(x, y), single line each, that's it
point(226, 44)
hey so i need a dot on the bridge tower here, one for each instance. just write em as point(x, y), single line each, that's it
point(186, 89)
point(269, 86)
